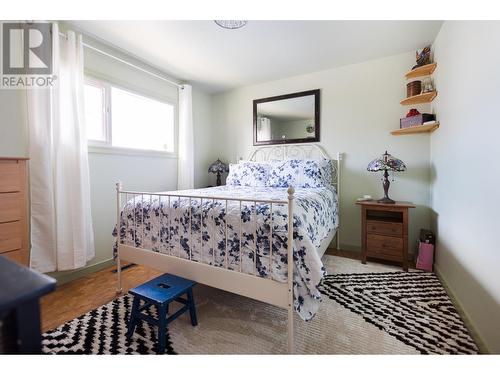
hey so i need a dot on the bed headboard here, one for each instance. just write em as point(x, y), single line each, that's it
point(298, 151)
point(302, 151)
point(294, 151)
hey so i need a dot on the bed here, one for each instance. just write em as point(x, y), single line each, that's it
point(222, 236)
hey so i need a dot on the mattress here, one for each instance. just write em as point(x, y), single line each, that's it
point(238, 235)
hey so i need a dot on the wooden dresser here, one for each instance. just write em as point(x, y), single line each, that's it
point(14, 232)
point(385, 231)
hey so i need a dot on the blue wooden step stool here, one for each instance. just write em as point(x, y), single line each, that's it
point(160, 292)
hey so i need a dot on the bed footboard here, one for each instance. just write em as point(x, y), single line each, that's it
point(220, 276)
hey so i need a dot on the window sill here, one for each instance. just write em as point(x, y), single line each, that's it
point(95, 149)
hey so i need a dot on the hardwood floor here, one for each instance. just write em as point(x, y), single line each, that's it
point(80, 296)
point(77, 297)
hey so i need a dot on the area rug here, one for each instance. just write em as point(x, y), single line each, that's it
point(411, 306)
point(367, 309)
point(102, 331)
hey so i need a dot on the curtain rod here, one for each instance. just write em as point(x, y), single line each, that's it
point(126, 62)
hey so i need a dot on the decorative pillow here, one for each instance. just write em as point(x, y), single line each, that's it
point(301, 173)
point(248, 174)
point(329, 170)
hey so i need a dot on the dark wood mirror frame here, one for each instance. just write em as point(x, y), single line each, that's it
point(283, 97)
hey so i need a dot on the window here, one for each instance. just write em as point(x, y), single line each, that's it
point(140, 122)
point(120, 118)
point(95, 111)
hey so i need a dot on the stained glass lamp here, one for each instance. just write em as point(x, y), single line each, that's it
point(218, 167)
point(386, 163)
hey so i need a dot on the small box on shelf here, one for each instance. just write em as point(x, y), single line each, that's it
point(416, 120)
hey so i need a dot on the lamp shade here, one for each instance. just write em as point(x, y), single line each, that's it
point(386, 162)
point(218, 167)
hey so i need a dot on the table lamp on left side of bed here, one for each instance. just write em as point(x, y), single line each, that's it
point(218, 167)
point(386, 163)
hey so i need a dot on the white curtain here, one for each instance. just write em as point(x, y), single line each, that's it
point(62, 236)
point(185, 165)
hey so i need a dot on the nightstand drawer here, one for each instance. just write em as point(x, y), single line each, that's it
point(387, 255)
point(384, 228)
point(384, 244)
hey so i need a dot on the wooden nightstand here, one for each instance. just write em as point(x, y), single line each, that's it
point(385, 231)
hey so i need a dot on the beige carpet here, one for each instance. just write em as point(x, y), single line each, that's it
point(231, 324)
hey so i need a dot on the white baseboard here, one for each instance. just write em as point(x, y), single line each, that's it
point(483, 349)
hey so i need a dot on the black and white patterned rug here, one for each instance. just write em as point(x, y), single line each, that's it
point(102, 331)
point(365, 313)
point(413, 307)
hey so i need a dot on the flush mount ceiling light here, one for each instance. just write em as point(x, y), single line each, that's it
point(231, 24)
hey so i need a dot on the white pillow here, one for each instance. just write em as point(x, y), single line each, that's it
point(248, 174)
point(301, 173)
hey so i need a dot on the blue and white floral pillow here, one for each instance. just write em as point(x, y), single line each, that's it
point(301, 173)
point(248, 174)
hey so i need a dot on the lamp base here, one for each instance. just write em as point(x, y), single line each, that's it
point(386, 185)
point(386, 200)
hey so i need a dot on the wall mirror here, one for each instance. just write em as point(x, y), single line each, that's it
point(291, 118)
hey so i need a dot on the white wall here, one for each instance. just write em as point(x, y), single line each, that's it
point(359, 108)
point(465, 170)
point(205, 138)
point(13, 119)
point(13, 125)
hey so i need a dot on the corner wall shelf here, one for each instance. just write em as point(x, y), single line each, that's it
point(426, 97)
point(422, 71)
point(416, 129)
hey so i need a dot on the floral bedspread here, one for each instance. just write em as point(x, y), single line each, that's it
point(191, 228)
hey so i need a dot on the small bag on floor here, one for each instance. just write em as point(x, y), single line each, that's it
point(425, 258)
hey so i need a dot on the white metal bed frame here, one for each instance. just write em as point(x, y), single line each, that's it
point(252, 286)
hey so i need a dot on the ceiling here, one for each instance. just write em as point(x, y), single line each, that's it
point(218, 59)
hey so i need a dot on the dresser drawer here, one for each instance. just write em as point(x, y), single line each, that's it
point(387, 255)
point(384, 228)
point(10, 236)
point(384, 245)
point(16, 256)
point(10, 207)
point(10, 176)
